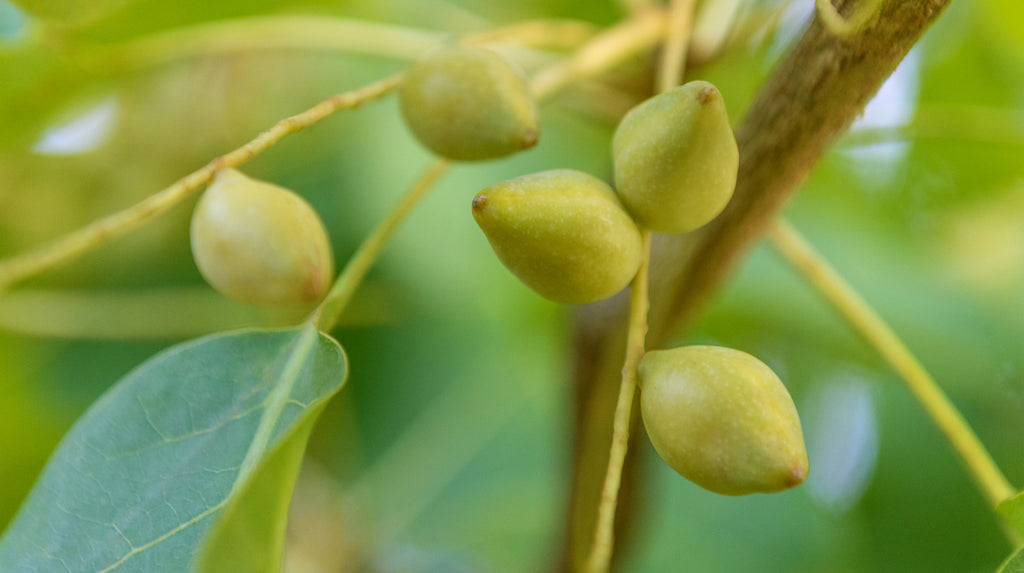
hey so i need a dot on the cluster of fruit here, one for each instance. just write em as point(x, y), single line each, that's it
point(718, 416)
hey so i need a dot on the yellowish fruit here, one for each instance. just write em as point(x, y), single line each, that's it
point(259, 243)
point(467, 103)
point(722, 419)
point(676, 159)
point(563, 233)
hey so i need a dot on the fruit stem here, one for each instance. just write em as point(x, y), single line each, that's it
point(987, 475)
point(604, 535)
point(316, 33)
point(673, 63)
point(602, 52)
point(607, 49)
point(673, 57)
point(69, 246)
point(327, 314)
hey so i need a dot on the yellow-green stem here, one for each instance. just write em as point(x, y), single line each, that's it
point(348, 281)
point(317, 33)
point(604, 51)
point(604, 531)
point(673, 58)
point(25, 265)
point(601, 53)
point(670, 72)
point(987, 475)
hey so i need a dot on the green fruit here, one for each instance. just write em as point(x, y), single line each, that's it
point(676, 159)
point(722, 419)
point(467, 103)
point(563, 233)
point(260, 243)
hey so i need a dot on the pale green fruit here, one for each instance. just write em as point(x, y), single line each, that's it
point(676, 159)
point(468, 103)
point(563, 233)
point(722, 419)
point(259, 243)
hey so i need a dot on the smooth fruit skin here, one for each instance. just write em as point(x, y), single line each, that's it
point(259, 243)
point(563, 233)
point(722, 419)
point(676, 159)
point(468, 104)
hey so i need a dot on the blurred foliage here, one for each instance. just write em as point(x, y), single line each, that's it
point(449, 451)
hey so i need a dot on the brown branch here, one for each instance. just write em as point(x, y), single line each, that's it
point(813, 96)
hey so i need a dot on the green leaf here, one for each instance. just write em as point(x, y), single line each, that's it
point(250, 535)
point(1013, 510)
point(179, 456)
point(1013, 564)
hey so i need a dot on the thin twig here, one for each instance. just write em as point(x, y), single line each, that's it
point(606, 50)
point(813, 267)
point(673, 57)
point(604, 534)
point(352, 275)
point(599, 558)
point(601, 53)
point(25, 265)
point(317, 33)
point(817, 90)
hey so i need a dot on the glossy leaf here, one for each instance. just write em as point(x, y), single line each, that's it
point(176, 455)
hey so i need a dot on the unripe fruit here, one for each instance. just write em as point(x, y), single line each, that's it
point(563, 233)
point(259, 243)
point(722, 419)
point(676, 159)
point(468, 103)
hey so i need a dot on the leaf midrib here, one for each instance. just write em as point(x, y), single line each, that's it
point(274, 405)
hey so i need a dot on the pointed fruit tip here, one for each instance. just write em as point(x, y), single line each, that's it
point(530, 138)
point(479, 202)
point(706, 94)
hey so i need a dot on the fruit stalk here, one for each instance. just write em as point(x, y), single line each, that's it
point(670, 72)
point(673, 61)
point(604, 534)
point(327, 314)
point(28, 264)
point(601, 53)
point(987, 475)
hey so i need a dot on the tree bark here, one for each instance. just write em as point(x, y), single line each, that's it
point(812, 97)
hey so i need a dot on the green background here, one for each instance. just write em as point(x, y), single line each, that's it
point(449, 449)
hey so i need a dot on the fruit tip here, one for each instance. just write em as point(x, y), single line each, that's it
point(797, 475)
point(706, 94)
point(530, 138)
point(479, 201)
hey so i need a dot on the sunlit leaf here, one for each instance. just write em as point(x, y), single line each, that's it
point(191, 442)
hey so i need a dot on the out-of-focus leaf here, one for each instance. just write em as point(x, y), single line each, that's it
point(1013, 510)
point(1015, 563)
point(201, 435)
point(72, 11)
